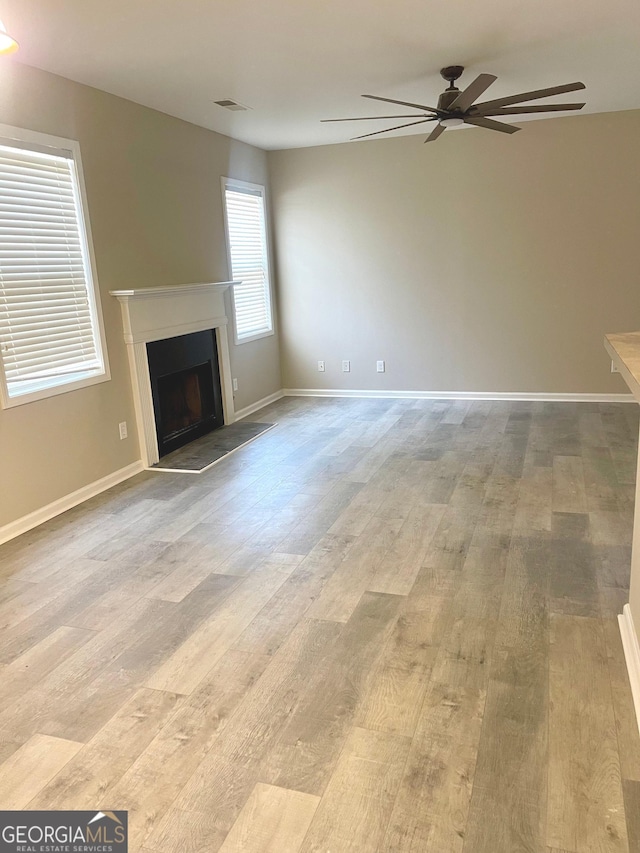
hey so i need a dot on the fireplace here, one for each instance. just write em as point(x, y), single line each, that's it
point(185, 386)
point(155, 314)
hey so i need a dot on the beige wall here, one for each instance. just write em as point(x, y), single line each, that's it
point(478, 263)
point(153, 187)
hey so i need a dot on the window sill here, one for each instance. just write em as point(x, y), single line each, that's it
point(256, 337)
point(52, 391)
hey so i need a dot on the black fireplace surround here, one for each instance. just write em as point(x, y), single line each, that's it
point(185, 385)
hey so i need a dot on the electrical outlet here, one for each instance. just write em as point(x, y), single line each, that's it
point(122, 428)
point(346, 366)
point(614, 369)
point(321, 367)
point(380, 366)
point(235, 384)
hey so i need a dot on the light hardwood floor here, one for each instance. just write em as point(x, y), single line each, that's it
point(384, 626)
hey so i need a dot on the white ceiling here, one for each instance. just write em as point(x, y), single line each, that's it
point(295, 62)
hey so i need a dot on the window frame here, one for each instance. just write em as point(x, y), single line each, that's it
point(58, 144)
point(234, 183)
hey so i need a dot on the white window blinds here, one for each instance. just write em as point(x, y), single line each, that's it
point(48, 331)
point(246, 233)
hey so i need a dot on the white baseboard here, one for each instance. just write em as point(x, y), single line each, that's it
point(461, 395)
point(39, 516)
point(632, 655)
point(259, 404)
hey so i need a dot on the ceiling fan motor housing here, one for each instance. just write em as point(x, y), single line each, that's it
point(447, 98)
point(450, 74)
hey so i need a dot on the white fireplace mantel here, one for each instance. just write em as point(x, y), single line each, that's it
point(157, 313)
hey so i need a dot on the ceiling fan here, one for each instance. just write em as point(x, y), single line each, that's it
point(456, 107)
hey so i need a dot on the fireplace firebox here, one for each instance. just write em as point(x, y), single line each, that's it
point(185, 386)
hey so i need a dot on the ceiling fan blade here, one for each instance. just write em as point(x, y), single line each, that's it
point(472, 92)
point(367, 118)
point(529, 96)
point(435, 133)
point(388, 129)
point(480, 121)
point(402, 103)
point(510, 111)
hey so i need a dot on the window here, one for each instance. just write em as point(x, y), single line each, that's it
point(50, 324)
point(248, 259)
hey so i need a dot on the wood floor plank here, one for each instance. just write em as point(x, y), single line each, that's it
point(432, 805)
point(505, 820)
point(502, 493)
point(465, 653)
point(29, 769)
point(398, 683)
point(305, 751)
point(403, 480)
point(276, 527)
point(92, 772)
point(471, 485)
point(203, 649)
point(357, 515)
point(457, 413)
point(273, 820)
point(157, 776)
point(103, 609)
point(440, 483)
point(354, 574)
point(266, 633)
point(37, 597)
point(192, 562)
point(69, 700)
point(397, 572)
point(226, 775)
point(510, 778)
point(449, 546)
point(9, 743)
point(601, 483)
point(573, 584)
point(610, 528)
point(569, 494)
point(304, 535)
point(431, 583)
point(357, 804)
point(586, 806)
point(368, 469)
point(78, 596)
point(241, 562)
point(25, 671)
point(534, 501)
point(87, 688)
point(510, 781)
point(592, 432)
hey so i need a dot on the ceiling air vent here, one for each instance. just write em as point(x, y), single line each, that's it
point(231, 105)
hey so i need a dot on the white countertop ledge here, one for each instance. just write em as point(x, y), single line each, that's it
point(624, 349)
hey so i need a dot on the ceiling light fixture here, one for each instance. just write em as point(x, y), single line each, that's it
point(7, 43)
point(451, 122)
